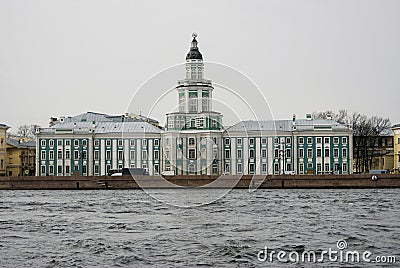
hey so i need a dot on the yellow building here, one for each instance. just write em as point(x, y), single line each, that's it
point(3, 149)
point(396, 143)
point(383, 154)
point(17, 155)
point(20, 157)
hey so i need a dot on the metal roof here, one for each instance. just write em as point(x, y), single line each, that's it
point(286, 125)
point(103, 127)
point(31, 144)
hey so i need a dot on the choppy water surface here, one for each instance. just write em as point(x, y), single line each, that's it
point(130, 229)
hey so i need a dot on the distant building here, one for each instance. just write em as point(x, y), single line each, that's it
point(17, 155)
point(396, 143)
point(194, 140)
point(3, 149)
point(21, 157)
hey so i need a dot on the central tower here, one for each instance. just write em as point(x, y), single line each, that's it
point(194, 97)
point(192, 140)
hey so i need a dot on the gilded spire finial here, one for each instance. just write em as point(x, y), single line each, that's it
point(194, 35)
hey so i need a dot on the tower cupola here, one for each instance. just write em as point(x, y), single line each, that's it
point(194, 53)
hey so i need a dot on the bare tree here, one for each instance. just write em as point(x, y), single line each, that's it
point(26, 131)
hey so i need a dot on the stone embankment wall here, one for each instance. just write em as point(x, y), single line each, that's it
point(267, 182)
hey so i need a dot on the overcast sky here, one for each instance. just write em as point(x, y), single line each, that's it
point(69, 57)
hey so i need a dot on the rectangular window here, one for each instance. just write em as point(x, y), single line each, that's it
point(319, 167)
point(108, 155)
point(251, 141)
point(276, 140)
point(327, 167)
point(263, 141)
point(59, 169)
point(156, 169)
point(59, 154)
point(96, 155)
point(96, 143)
point(192, 153)
point(289, 167)
point(51, 155)
point(108, 167)
point(239, 168)
point(309, 153)
point(132, 143)
point(67, 154)
point(227, 168)
point(76, 168)
point(319, 140)
point(108, 143)
point(288, 140)
point(239, 154)
point(344, 167)
point(239, 141)
point(132, 154)
point(144, 155)
point(319, 152)
point(336, 152)
point(51, 170)
point(276, 167)
point(276, 153)
point(326, 140)
point(301, 167)
point(309, 140)
point(263, 153)
point(59, 142)
point(144, 142)
point(76, 143)
point(264, 168)
point(336, 140)
point(191, 141)
point(43, 155)
point(251, 168)
point(156, 142)
point(309, 165)
point(326, 152)
point(227, 154)
point(336, 167)
point(51, 143)
point(84, 155)
point(84, 142)
point(288, 153)
point(344, 140)
point(301, 153)
point(67, 143)
point(119, 142)
point(301, 140)
point(43, 143)
point(344, 153)
point(84, 170)
point(76, 155)
point(67, 170)
point(120, 155)
point(96, 169)
point(227, 142)
point(156, 155)
point(251, 153)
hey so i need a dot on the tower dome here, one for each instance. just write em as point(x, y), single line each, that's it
point(194, 53)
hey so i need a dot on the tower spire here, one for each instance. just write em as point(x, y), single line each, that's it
point(194, 53)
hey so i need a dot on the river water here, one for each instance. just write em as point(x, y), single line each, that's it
point(129, 228)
